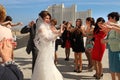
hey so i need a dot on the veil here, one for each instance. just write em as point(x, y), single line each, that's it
point(37, 39)
point(38, 22)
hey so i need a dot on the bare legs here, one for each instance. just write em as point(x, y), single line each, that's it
point(78, 62)
point(114, 75)
point(118, 75)
point(88, 55)
point(98, 69)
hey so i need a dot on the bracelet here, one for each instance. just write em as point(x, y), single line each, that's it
point(8, 63)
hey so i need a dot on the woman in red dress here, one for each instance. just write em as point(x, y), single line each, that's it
point(99, 48)
point(66, 36)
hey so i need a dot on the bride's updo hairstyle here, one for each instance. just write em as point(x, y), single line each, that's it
point(43, 14)
point(2, 13)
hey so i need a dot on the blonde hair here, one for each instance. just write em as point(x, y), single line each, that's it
point(2, 13)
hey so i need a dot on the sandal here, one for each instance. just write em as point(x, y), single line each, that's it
point(96, 75)
point(75, 70)
point(79, 71)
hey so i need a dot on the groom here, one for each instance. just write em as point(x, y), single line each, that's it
point(31, 28)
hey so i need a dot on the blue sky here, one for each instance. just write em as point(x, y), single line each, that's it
point(27, 10)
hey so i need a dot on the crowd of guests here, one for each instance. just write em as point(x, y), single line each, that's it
point(100, 34)
point(97, 35)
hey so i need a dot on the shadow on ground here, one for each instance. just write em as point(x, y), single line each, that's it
point(65, 67)
point(68, 66)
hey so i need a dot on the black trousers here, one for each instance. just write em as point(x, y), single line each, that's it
point(34, 56)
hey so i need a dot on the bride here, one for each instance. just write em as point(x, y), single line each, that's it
point(45, 68)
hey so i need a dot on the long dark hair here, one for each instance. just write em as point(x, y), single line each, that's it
point(92, 21)
point(97, 28)
point(8, 18)
point(80, 22)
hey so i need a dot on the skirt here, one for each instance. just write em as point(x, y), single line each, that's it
point(67, 44)
point(114, 60)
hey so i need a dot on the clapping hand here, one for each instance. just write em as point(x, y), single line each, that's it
point(31, 24)
point(62, 28)
point(6, 50)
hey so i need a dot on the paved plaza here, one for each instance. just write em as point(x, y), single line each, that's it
point(65, 67)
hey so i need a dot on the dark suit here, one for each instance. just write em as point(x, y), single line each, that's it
point(31, 45)
point(10, 72)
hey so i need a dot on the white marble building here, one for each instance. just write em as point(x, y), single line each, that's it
point(61, 13)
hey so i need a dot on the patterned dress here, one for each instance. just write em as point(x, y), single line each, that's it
point(89, 41)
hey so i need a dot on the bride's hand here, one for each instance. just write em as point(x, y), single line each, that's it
point(54, 30)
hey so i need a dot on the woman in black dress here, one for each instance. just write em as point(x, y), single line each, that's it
point(77, 44)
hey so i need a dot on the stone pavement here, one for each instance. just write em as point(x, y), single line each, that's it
point(65, 67)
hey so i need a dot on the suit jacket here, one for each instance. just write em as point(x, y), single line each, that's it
point(32, 31)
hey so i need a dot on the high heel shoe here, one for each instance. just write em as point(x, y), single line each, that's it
point(102, 75)
point(96, 75)
point(79, 71)
point(75, 70)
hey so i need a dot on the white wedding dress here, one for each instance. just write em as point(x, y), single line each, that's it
point(45, 68)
